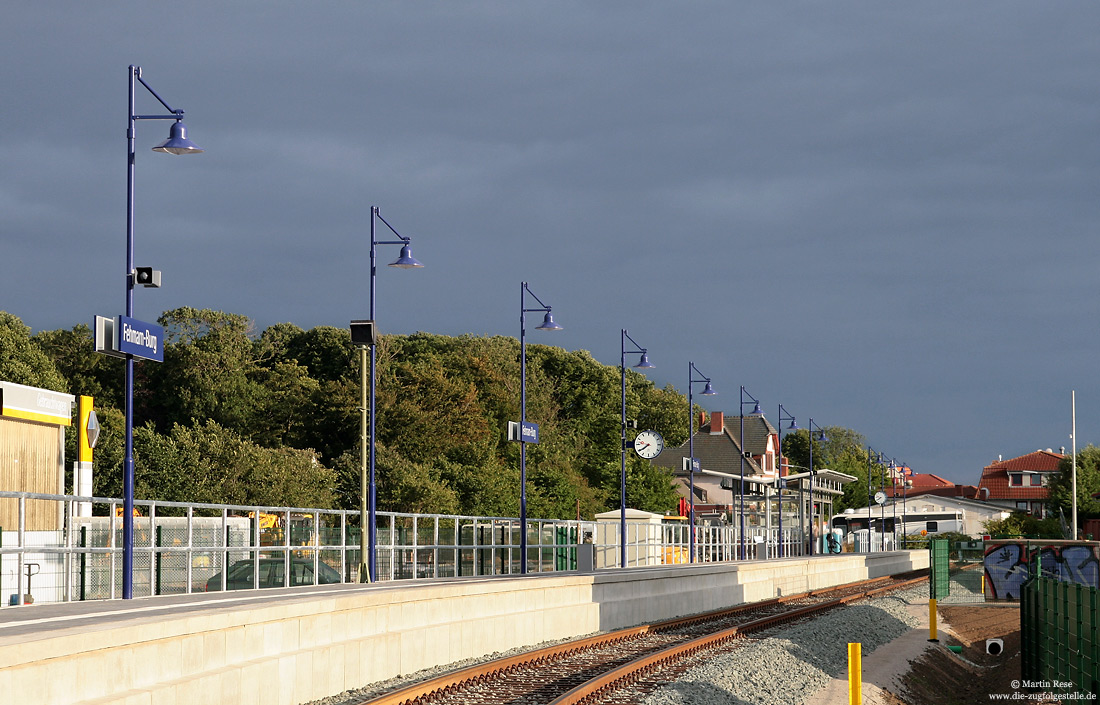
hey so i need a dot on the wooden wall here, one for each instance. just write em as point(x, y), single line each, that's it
point(31, 460)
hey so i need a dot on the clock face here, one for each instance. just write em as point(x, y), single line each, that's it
point(649, 444)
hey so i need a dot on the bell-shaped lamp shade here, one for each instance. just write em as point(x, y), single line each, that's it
point(822, 437)
point(756, 410)
point(793, 426)
point(177, 142)
point(708, 390)
point(644, 363)
point(406, 260)
point(548, 323)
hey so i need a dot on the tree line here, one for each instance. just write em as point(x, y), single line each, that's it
point(273, 418)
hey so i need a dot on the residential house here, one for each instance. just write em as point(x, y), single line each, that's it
point(718, 496)
point(717, 446)
point(1020, 484)
point(923, 483)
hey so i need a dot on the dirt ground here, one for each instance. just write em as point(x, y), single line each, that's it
point(939, 677)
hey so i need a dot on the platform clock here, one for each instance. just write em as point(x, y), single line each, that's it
point(649, 444)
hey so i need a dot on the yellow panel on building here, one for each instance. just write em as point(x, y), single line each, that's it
point(32, 453)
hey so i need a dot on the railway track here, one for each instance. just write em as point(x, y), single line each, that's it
point(591, 669)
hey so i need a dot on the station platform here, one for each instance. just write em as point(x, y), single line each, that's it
point(292, 646)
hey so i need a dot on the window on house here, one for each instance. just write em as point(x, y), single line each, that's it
point(1022, 506)
point(1036, 480)
point(1037, 509)
point(1016, 479)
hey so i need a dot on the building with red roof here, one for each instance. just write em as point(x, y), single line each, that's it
point(717, 447)
point(925, 483)
point(1020, 483)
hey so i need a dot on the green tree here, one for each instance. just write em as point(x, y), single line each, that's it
point(489, 489)
point(325, 351)
point(287, 408)
point(649, 487)
point(209, 463)
point(23, 362)
point(446, 402)
point(430, 413)
point(232, 417)
point(88, 372)
point(1021, 524)
point(208, 372)
point(1088, 484)
point(844, 450)
point(663, 410)
point(402, 485)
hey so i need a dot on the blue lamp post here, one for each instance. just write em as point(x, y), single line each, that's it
point(643, 364)
point(906, 471)
point(707, 391)
point(894, 497)
point(875, 460)
point(177, 143)
point(810, 440)
point(368, 495)
point(755, 412)
point(871, 453)
point(784, 415)
point(882, 463)
point(547, 324)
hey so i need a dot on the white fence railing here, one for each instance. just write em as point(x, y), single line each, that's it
point(184, 548)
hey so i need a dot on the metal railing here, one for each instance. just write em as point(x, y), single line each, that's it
point(183, 548)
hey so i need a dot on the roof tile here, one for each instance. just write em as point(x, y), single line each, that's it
point(719, 452)
point(995, 477)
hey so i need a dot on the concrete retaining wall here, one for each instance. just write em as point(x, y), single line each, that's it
point(306, 643)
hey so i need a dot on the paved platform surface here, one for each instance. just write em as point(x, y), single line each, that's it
point(40, 621)
point(296, 645)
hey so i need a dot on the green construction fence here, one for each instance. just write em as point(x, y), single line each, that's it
point(1059, 640)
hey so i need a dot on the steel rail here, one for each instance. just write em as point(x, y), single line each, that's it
point(441, 686)
point(628, 673)
point(478, 673)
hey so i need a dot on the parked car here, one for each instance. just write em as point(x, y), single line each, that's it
point(272, 574)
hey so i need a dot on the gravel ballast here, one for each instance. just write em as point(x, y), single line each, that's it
point(374, 690)
point(788, 665)
point(784, 666)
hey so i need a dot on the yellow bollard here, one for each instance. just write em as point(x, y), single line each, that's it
point(983, 584)
point(855, 673)
point(932, 620)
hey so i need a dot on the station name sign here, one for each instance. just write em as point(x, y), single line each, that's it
point(124, 336)
point(140, 339)
point(524, 432)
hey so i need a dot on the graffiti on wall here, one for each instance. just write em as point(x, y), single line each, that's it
point(1007, 566)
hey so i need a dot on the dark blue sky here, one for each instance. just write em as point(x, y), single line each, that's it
point(882, 215)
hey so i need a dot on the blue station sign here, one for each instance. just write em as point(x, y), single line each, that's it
point(140, 339)
point(525, 432)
